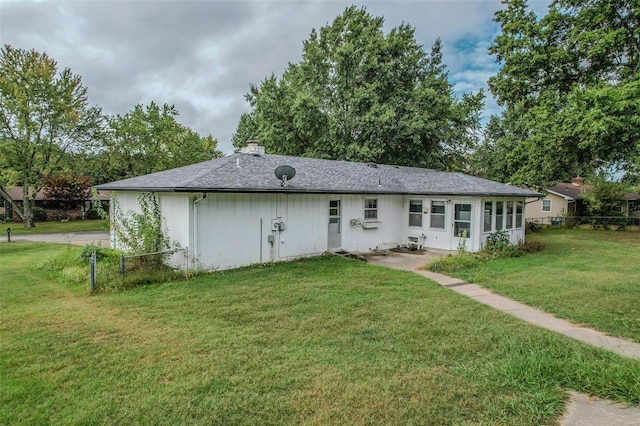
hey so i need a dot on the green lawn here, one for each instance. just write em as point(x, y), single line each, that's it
point(52, 227)
point(588, 277)
point(319, 341)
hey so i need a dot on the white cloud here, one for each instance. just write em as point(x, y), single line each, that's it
point(203, 55)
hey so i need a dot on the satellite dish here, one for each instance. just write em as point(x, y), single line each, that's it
point(285, 173)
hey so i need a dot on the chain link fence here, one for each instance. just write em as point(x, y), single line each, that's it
point(619, 223)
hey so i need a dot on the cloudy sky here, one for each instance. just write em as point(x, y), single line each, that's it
point(203, 55)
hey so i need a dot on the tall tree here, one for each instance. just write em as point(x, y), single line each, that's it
point(362, 95)
point(43, 116)
point(572, 80)
point(150, 139)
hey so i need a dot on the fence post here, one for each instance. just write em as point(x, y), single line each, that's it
point(8, 235)
point(92, 271)
point(122, 266)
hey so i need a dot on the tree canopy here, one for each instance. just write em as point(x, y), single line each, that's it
point(150, 139)
point(362, 95)
point(43, 116)
point(570, 85)
point(48, 130)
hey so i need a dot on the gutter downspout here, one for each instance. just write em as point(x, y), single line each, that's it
point(195, 228)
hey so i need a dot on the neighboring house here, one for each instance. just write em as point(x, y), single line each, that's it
point(233, 211)
point(52, 207)
point(562, 199)
point(566, 199)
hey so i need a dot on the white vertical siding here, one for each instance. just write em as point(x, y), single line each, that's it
point(306, 220)
point(175, 216)
point(234, 230)
point(388, 233)
point(229, 230)
point(176, 220)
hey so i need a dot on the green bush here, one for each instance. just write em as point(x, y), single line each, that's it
point(454, 263)
point(532, 227)
point(39, 214)
point(498, 247)
point(141, 233)
point(102, 253)
point(92, 214)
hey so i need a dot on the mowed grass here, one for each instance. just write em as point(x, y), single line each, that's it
point(588, 277)
point(53, 227)
point(318, 341)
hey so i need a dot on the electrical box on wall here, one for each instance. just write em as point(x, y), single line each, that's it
point(278, 225)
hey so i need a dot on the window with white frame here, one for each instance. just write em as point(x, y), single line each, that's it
point(415, 213)
point(546, 205)
point(488, 216)
point(370, 208)
point(519, 210)
point(437, 215)
point(499, 215)
point(509, 222)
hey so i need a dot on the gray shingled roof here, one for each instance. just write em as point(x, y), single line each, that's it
point(569, 190)
point(255, 173)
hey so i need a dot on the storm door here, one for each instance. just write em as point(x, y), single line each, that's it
point(461, 225)
point(335, 238)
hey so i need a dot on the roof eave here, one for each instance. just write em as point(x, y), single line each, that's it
point(317, 191)
point(566, 197)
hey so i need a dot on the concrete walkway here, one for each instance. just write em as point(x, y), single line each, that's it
point(581, 410)
point(412, 261)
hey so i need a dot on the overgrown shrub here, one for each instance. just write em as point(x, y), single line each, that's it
point(56, 215)
point(140, 232)
point(102, 253)
point(454, 263)
point(532, 226)
point(39, 214)
point(498, 246)
point(92, 214)
point(70, 266)
point(498, 239)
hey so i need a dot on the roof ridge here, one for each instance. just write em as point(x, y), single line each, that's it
point(206, 172)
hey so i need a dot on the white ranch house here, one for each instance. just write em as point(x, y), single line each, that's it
point(234, 211)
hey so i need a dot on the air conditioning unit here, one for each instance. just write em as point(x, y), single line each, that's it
point(415, 242)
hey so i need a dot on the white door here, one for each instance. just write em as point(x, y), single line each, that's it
point(334, 233)
point(461, 225)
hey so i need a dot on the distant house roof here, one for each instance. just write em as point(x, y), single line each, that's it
point(16, 194)
point(569, 191)
point(245, 172)
point(575, 190)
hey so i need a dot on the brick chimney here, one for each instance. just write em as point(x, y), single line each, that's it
point(577, 181)
point(252, 148)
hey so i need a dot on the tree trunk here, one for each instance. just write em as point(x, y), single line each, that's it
point(27, 205)
point(28, 202)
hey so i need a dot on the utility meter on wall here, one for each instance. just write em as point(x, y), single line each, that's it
point(278, 225)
